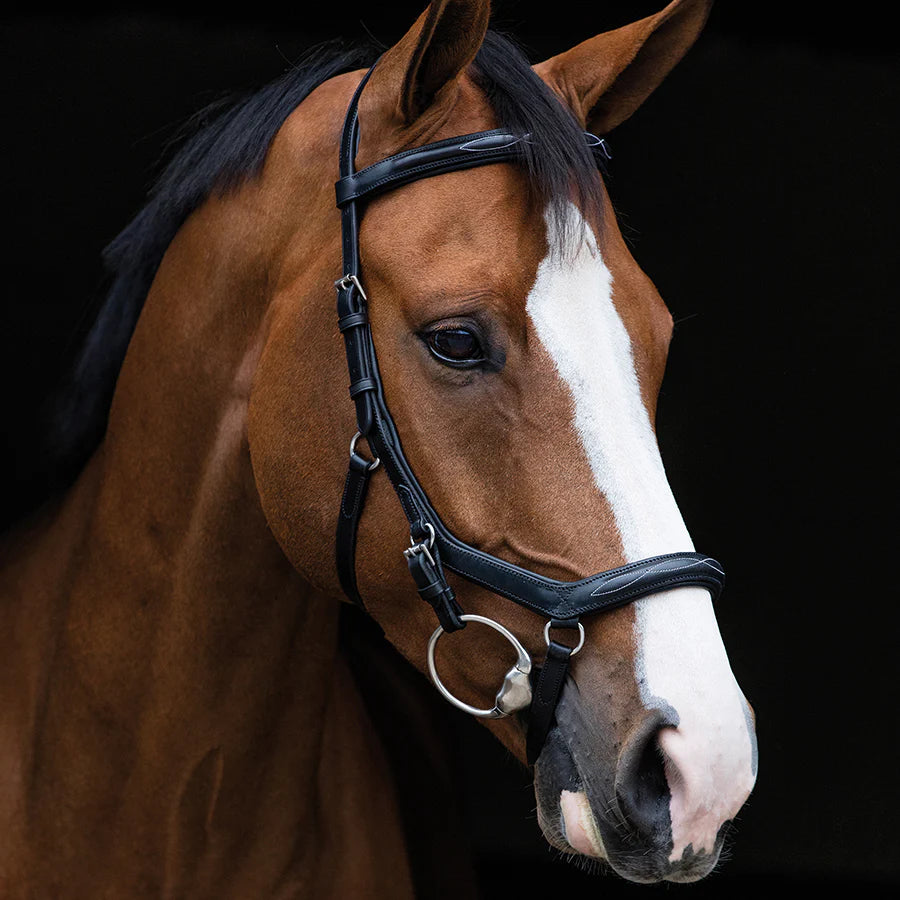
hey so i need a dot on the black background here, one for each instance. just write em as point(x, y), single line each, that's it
point(758, 188)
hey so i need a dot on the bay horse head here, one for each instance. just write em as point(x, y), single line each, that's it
point(178, 717)
point(520, 352)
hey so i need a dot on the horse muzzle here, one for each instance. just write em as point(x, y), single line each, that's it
point(608, 797)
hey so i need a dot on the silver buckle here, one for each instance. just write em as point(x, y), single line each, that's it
point(423, 547)
point(345, 282)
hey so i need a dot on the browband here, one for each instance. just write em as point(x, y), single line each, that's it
point(450, 155)
point(433, 546)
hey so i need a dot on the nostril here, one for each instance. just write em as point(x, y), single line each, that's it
point(642, 788)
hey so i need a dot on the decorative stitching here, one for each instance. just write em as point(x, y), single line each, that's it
point(693, 564)
point(620, 598)
point(467, 146)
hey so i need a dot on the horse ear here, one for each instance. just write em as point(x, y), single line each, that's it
point(606, 78)
point(440, 45)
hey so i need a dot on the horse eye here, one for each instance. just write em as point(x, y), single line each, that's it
point(457, 346)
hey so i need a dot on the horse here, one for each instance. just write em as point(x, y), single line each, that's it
point(179, 716)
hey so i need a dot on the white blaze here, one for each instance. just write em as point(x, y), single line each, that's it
point(681, 661)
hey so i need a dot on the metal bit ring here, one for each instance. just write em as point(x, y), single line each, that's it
point(514, 694)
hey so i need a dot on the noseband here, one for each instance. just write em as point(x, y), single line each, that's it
point(433, 547)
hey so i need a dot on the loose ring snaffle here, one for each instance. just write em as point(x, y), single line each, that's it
point(514, 694)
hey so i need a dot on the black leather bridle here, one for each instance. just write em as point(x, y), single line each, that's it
point(433, 547)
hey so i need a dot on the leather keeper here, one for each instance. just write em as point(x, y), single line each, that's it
point(361, 385)
point(352, 320)
point(433, 587)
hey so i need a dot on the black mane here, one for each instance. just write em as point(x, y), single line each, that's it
point(560, 165)
point(225, 145)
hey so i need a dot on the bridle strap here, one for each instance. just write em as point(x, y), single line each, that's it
point(352, 314)
point(359, 472)
point(450, 155)
point(433, 546)
point(547, 682)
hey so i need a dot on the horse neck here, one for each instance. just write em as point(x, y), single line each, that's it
point(178, 574)
point(178, 671)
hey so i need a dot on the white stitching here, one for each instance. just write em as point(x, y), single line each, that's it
point(708, 562)
point(469, 146)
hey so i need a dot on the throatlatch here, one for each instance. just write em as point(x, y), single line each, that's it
point(433, 547)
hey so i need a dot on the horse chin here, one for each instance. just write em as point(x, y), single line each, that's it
point(569, 817)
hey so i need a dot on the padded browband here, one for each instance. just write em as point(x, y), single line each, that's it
point(450, 155)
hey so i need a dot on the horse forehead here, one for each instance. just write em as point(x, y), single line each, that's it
point(482, 206)
point(477, 229)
